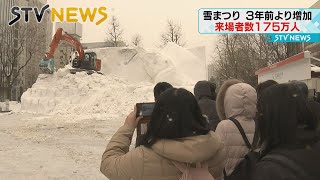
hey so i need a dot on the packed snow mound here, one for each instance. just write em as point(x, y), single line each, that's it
point(14, 106)
point(83, 94)
point(185, 64)
point(173, 64)
point(200, 52)
point(132, 64)
point(129, 77)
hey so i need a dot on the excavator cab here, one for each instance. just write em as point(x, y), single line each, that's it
point(90, 62)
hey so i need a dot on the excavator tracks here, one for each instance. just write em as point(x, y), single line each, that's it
point(89, 72)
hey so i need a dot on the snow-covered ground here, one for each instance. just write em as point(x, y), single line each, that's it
point(62, 126)
point(53, 147)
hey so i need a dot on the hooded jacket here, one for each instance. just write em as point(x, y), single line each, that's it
point(238, 100)
point(205, 97)
point(155, 163)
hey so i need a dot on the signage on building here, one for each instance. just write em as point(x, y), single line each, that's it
point(294, 68)
point(279, 25)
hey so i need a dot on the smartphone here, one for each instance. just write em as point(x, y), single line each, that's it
point(144, 110)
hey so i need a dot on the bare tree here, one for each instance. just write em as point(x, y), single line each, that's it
point(173, 33)
point(115, 33)
point(137, 40)
point(240, 55)
point(18, 46)
point(1, 79)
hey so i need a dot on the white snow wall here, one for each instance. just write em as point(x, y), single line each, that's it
point(129, 77)
point(173, 64)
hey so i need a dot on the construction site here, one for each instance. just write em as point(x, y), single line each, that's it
point(70, 110)
point(60, 111)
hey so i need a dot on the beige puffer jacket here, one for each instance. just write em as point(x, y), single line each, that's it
point(238, 100)
point(144, 163)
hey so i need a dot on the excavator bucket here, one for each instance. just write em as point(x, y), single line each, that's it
point(47, 66)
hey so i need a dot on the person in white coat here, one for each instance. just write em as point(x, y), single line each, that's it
point(235, 100)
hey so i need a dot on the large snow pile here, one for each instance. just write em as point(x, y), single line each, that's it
point(132, 64)
point(186, 67)
point(129, 77)
point(14, 106)
point(173, 64)
point(83, 94)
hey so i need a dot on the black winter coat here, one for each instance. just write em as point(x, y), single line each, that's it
point(307, 159)
point(315, 109)
point(205, 97)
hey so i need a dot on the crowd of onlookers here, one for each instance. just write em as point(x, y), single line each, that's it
point(241, 132)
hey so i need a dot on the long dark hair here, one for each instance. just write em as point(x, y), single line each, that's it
point(264, 85)
point(176, 115)
point(281, 110)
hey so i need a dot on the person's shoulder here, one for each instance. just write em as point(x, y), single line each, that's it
point(226, 123)
point(267, 170)
point(143, 152)
point(263, 164)
point(223, 126)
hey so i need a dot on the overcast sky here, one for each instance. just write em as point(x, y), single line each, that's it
point(148, 17)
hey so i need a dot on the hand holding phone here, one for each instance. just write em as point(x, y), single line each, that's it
point(132, 119)
point(144, 111)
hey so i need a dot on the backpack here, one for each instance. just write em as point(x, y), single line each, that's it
point(200, 172)
point(245, 168)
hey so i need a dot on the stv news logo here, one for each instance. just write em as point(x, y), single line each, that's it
point(62, 15)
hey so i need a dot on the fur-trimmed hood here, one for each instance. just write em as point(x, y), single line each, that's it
point(236, 99)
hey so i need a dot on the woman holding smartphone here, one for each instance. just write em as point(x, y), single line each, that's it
point(177, 132)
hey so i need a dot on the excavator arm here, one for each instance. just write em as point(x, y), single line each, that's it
point(47, 63)
point(63, 36)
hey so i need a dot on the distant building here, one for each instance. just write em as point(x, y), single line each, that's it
point(211, 72)
point(5, 17)
point(5, 8)
point(30, 72)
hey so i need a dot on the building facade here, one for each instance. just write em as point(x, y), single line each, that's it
point(5, 7)
point(28, 43)
point(5, 37)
